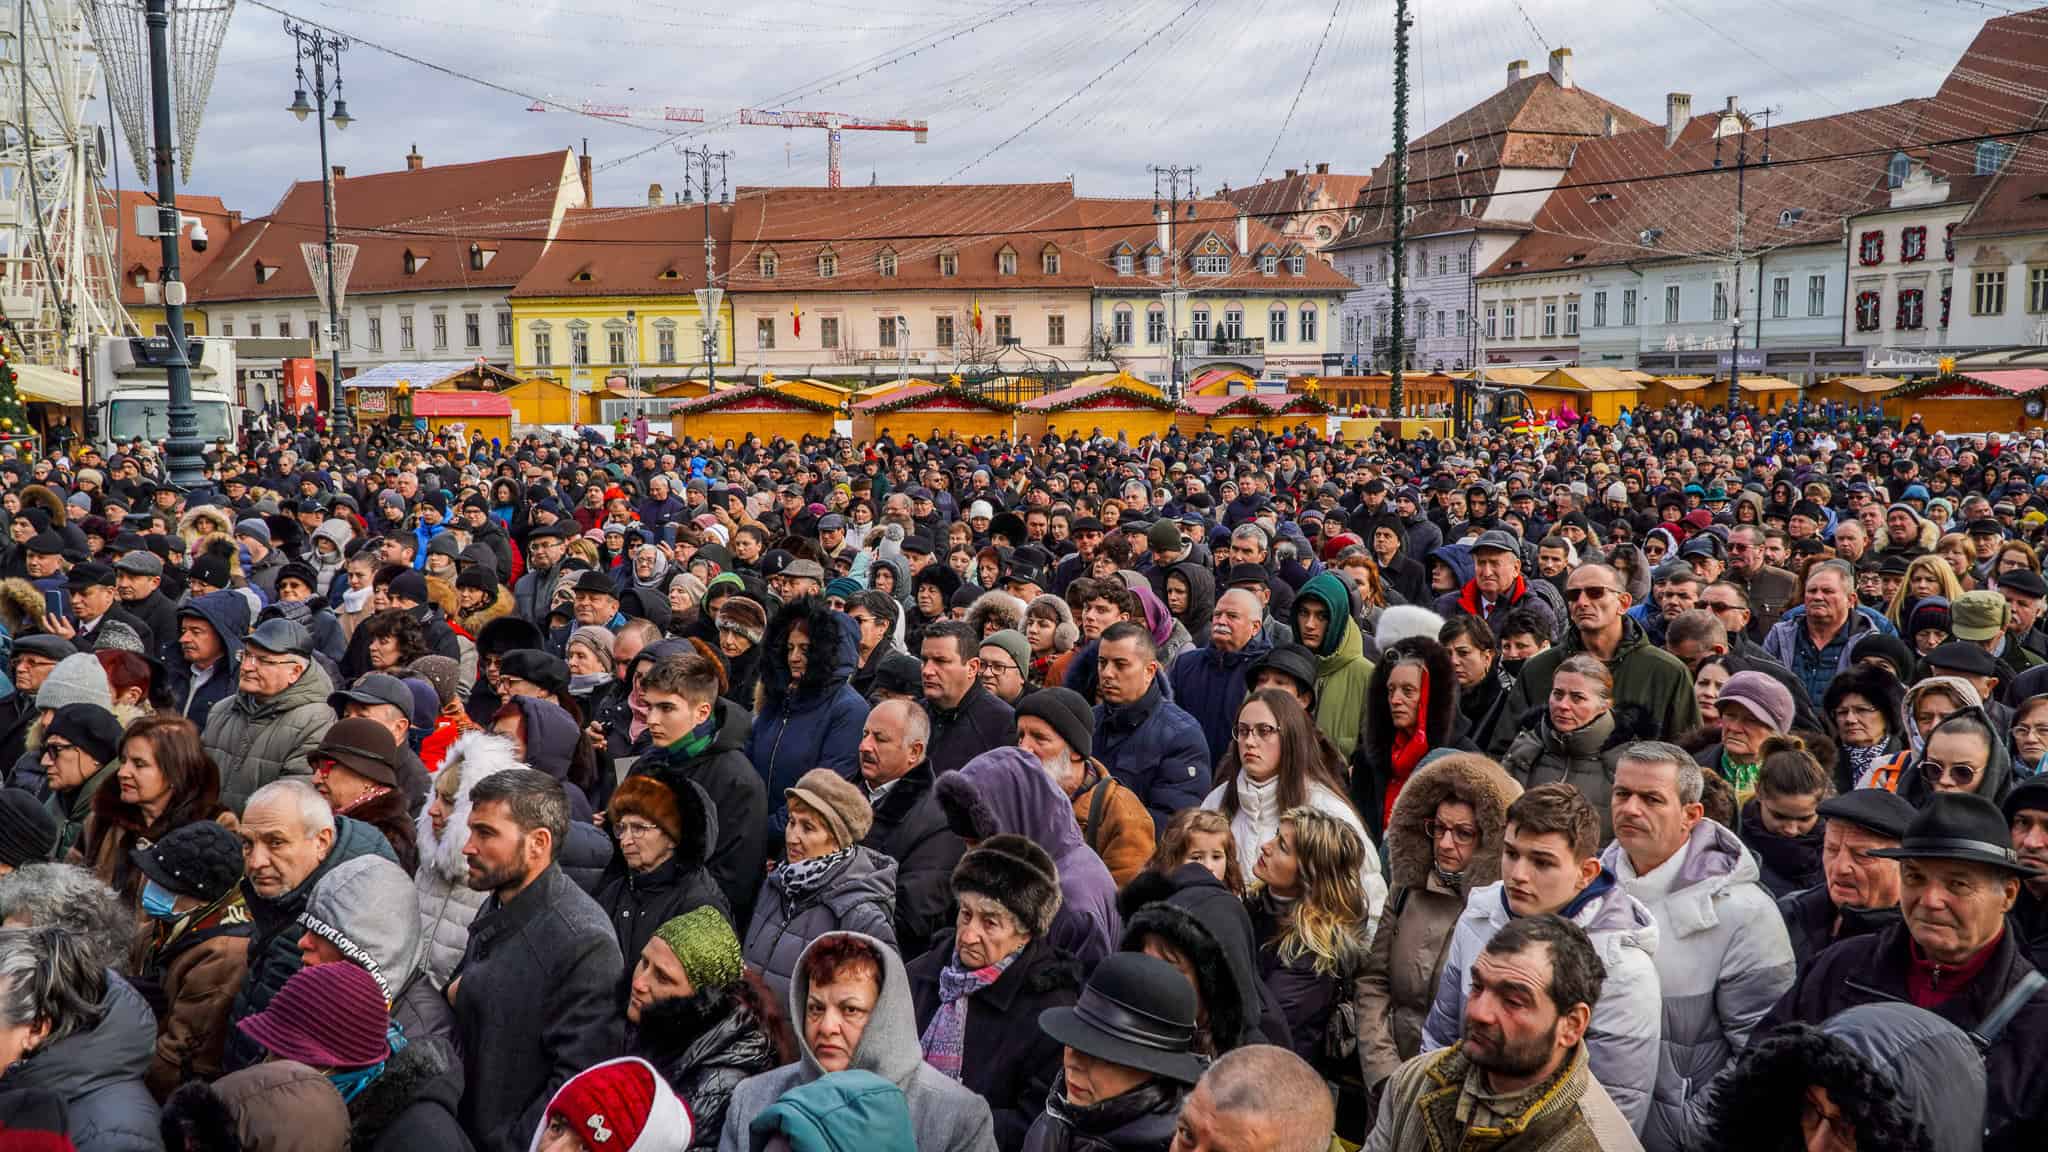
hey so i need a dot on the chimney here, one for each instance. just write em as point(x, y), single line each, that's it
point(1290, 173)
point(1610, 126)
point(654, 195)
point(1677, 110)
point(1164, 219)
point(1244, 233)
point(234, 219)
point(414, 161)
point(1323, 168)
point(1561, 67)
point(339, 172)
point(583, 173)
point(1517, 69)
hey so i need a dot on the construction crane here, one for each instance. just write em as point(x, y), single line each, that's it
point(664, 113)
point(833, 123)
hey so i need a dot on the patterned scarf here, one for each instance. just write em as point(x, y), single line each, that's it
point(1458, 1112)
point(803, 878)
point(945, 1038)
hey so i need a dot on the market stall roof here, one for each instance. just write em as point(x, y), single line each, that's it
point(1242, 404)
point(1077, 395)
point(1590, 379)
point(929, 396)
point(1867, 383)
point(48, 385)
point(761, 398)
point(2018, 381)
point(1511, 377)
point(1766, 384)
point(1687, 383)
point(461, 404)
point(420, 375)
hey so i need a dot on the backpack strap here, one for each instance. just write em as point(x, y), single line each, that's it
point(1098, 799)
point(1993, 1027)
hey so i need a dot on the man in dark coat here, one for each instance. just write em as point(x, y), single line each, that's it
point(95, 604)
point(204, 673)
point(1953, 954)
point(910, 827)
point(2026, 810)
point(1860, 894)
point(967, 719)
point(536, 995)
point(700, 738)
point(139, 577)
point(1149, 743)
point(1209, 682)
point(1497, 586)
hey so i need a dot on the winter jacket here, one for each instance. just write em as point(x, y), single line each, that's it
point(1192, 911)
point(1375, 782)
point(1114, 823)
point(1578, 1115)
point(945, 1116)
point(536, 1002)
point(1645, 676)
point(195, 964)
point(859, 896)
point(412, 1103)
point(814, 722)
point(1627, 1021)
point(1398, 984)
point(1257, 820)
point(228, 613)
point(640, 902)
point(1539, 596)
point(1814, 922)
point(1722, 960)
point(1872, 969)
point(910, 828)
point(1788, 644)
point(1141, 1120)
point(1584, 759)
point(1785, 864)
point(850, 1111)
point(160, 616)
point(1006, 1058)
point(255, 740)
point(1008, 791)
point(1771, 591)
point(1342, 671)
point(447, 902)
point(738, 798)
point(704, 1045)
point(981, 722)
point(1209, 684)
point(98, 1073)
point(1154, 748)
point(274, 941)
point(1307, 996)
point(534, 592)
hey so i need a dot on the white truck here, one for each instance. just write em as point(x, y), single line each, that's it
point(131, 392)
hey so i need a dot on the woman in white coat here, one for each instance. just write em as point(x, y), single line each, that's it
point(447, 903)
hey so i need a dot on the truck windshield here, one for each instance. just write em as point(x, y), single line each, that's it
point(150, 420)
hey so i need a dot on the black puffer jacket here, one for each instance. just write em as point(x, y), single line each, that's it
point(640, 902)
point(738, 798)
point(704, 1045)
point(910, 828)
point(1007, 1060)
point(412, 1104)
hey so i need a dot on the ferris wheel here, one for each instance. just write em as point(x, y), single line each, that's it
point(58, 245)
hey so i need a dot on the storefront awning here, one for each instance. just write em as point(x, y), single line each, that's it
point(48, 385)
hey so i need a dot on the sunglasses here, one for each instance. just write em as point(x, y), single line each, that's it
point(1957, 774)
point(1595, 594)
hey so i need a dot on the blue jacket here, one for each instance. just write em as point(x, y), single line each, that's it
point(1154, 748)
point(814, 722)
point(1209, 684)
point(228, 613)
point(424, 533)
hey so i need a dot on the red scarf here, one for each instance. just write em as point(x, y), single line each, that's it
point(1470, 602)
point(1408, 750)
point(1930, 985)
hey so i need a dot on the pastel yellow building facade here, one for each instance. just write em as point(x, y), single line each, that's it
point(582, 341)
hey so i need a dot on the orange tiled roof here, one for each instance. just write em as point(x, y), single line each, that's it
point(145, 254)
point(629, 252)
point(1115, 226)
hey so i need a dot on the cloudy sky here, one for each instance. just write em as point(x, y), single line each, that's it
point(1017, 90)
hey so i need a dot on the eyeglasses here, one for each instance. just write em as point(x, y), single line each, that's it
point(2035, 731)
point(277, 661)
point(1722, 606)
point(55, 748)
point(1957, 774)
point(1464, 834)
point(1861, 711)
point(1594, 593)
point(634, 829)
point(1262, 731)
point(995, 668)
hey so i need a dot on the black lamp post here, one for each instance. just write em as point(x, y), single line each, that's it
point(323, 48)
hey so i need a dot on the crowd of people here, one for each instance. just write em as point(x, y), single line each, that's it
point(1678, 785)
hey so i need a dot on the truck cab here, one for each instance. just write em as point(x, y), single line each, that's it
point(131, 390)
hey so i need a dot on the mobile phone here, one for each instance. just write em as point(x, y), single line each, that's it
point(57, 602)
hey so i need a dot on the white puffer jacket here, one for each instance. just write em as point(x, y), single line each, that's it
point(447, 904)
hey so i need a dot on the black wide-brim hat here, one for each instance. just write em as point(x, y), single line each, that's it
point(1960, 826)
point(1137, 1011)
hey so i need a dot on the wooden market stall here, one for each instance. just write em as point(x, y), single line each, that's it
point(1288, 410)
point(1667, 390)
point(486, 414)
point(1220, 382)
point(826, 392)
point(1603, 392)
point(1123, 380)
point(927, 411)
point(2006, 400)
point(1769, 393)
point(543, 400)
point(734, 413)
point(1421, 392)
point(1091, 408)
point(1853, 391)
point(1221, 415)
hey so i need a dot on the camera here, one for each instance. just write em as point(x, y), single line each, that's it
point(199, 238)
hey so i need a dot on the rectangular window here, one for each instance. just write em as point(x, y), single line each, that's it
point(1308, 324)
point(1198, 323)
point(543, 347)
point(1720, 301)
point(1781, 297)
point(1268, 264)
point(1233, 326)
point(1465, 262)
point(1571, 317)
point(1507, 322)
point(1913, 244)
point(2037, 289)
point(1154, 263)
point(1049, 262)
point(1125, 263)
point(579, 347)
point(346, 343)
point(227, 329)
point(284, 326)
point(1056, 330)
point(885, 331)
point(1549, 320)
point(828, 265)
point(1987, 294)
point(615, 346)
point(440, 331)
point(1443, 265)
point(1912, 309)
point(255, 327)
point(504, 329)
point(665, 344)
point(1817, 295)
point(1120, 331)
point(376, 331)
point(472, 330)
point(405, 334)
point(1442, 322)
point(764, 332)
point(885, 264)
point(828, 332)
point(1212, 265)
point(1005, 332)
point(949, 264)
point(1155, 327)
point(1599, 309)
point(1276, 326)
point(1461, 323)
point(942, 331)
point(1671, 303)
point(1492, 323)
point(1868, 307)
point(1628, 307)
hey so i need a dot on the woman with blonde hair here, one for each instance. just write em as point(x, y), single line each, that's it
point(1926, 576)
point(1961, 556)
point(1309, 914)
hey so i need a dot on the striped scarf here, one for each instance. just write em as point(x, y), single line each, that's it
point(945, 1038)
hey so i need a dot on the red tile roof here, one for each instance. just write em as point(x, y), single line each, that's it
point(1115, 226)
point(628, 251)
point(145, 254)
point(460, 404)
point(1294, 193)
point(2017, 198)
point(504, 207)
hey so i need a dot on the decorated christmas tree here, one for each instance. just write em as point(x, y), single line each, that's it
point(13, 419)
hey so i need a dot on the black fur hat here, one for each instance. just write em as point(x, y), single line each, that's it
point(1016, 873)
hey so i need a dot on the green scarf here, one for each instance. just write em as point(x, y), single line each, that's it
point(1546, 1116)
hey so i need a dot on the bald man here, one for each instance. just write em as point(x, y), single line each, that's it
point(1209, 682)
point(1259, 1098)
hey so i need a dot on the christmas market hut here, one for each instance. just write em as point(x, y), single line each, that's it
point(767, 411)
point(1224, 414)
point(1602, 392)
point(1665, 390)
point(929, 410)
point(1853, 392)
point(545, 400)
point(1767, 393)
point(468, 414)
point(1088, 408)
point(2004, 400)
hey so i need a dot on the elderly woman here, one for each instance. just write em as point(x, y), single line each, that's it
point(1753, 707)
point(1443, 842)
point(665, 826)
point(827, 882)
point(981, 987)
point(589, 657)
point(74, 1029)
point(1865, 711)
point(395, 640)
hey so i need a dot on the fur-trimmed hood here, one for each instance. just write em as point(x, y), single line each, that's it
point(500, 607)
point(473, 757)
point(21, 606)
point(44, 497)
point(1440, 713)
point(1463, 776)
point(833, 660)
point(205, 521)
point(999, 608)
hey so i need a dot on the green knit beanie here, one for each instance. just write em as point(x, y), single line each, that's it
point(705, 945)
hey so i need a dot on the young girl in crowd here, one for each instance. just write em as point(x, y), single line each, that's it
point(1200, 836)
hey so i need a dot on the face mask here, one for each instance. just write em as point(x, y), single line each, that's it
point(159, 902)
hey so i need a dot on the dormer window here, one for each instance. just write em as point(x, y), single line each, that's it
point(414, 263)
point(1268, 264)
point(1462, 158)
point(1599, 197)
point(670, 273)
point(265, 271)
point(1049, 261)
point(949, 263)
point(1006, 262)
point(885, 264)
point(1791, 216)
point(1895, 172)
point(1991, 156)
point(828, 265)
point(480, 257)
point(766, 264)
point(1648, 237)
point(1155, 264)
point(1297, 265)
point(1125, 265)
point(582, 276)
point(1208, 264)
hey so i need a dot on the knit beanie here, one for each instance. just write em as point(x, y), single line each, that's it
point(1012, 642)
point(201, 860)
point(844, 587)
point(77, 679)
point(325, 1016)
point(621, 1105)
point(1762, 697)
point(443, 672)
point(1068, 713)
point(598, 640)
point(837, 801)
point(741, 614)
point(28, 833)
point(705, 946)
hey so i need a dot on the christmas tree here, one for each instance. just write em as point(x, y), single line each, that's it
point(13, 420)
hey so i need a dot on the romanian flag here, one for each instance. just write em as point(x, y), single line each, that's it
point(977, 315)
point(796, 319)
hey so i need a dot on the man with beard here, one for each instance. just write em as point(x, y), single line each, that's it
point(1520, 1065)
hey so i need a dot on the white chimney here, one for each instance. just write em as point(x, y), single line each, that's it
point(1244, 234)
point(1677, 111)
point(654, 195)
point(1610, 126)
point(1517, 69)
point(1164, 219)
point(1561, 67)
